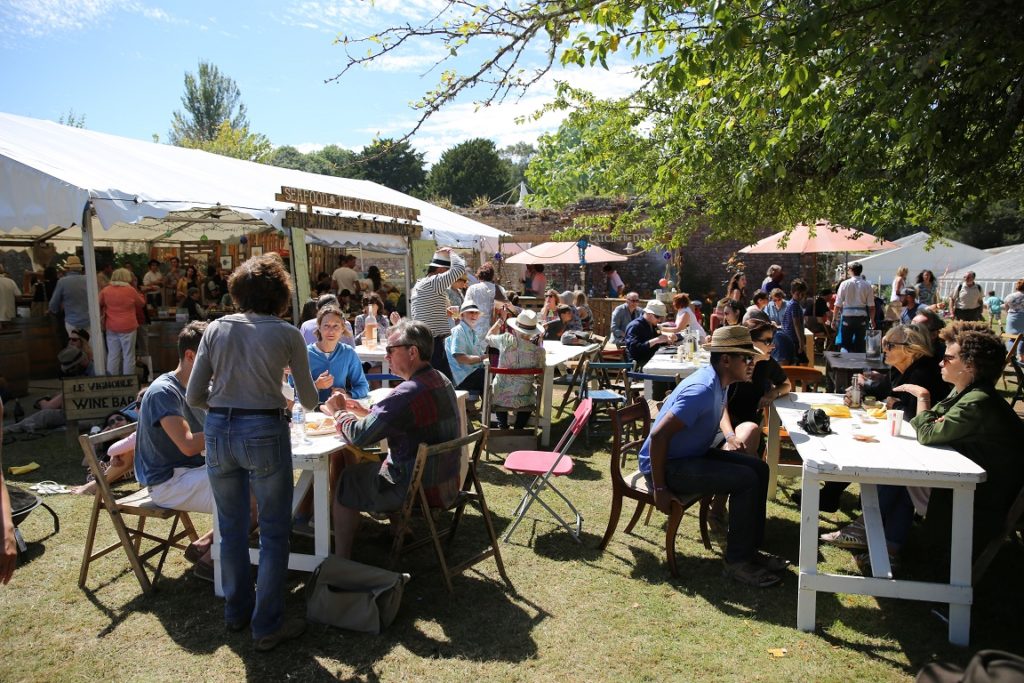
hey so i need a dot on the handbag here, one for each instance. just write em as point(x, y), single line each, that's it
point(353, 595)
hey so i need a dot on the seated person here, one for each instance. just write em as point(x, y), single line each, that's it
point(120, 455)
point(679, 458)
point(334, 365)
point(757, 305)
point(565, 328)
point(422, 409)
point(466, 351)
point(308, 328)
point(193, 306)
point(622, 316)
point(643, 335)
point(517, 348)
point(169, 446)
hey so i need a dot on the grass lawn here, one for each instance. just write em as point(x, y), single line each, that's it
point(577, 614)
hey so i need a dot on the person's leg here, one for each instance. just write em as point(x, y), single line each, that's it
point(128, 350)
point(269, 455)
point(229, 482)
point(113, 353)
point(897, 510)
point(856, 329)
point(502, 416)
point(522, 419)
point(474, 382)
point(346, 523)
point(439, 359)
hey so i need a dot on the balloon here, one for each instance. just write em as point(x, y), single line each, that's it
point(497, 256)
point(667, 255)
point(243, 240)
point(663, 282)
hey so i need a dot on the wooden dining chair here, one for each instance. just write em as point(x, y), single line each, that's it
point(1013, 529)
point(1013, 353)
point(630, 428)
point(138, 505)
point(422, 498)
point(510, 439)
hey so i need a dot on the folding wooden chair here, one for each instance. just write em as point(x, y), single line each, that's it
point(630, 428)
point(138, 504)
point(1011, 355)
point(471, 493)
point(542, 466)
point(638, 379)
point(1018, 370)
point(1013, 526)
point(510, 439)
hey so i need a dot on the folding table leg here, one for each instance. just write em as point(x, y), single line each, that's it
point(806, 601)
point(960, 563)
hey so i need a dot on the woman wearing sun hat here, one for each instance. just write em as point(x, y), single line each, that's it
point(517, 348)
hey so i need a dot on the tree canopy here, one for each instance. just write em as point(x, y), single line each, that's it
point(233, 142)
point(755, 115)
point(470, 171)
point(210, 99)
point(391, 163)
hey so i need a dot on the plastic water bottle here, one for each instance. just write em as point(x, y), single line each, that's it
point(298, 423)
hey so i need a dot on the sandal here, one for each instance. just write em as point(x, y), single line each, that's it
point(848, 537)
point(863, 561)
point(751, 574)
point(772, 563)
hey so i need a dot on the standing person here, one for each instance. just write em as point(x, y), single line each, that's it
point(190, 280)
point(9, 293)
point(737, 288)
point(643, 335)
point(583, 311)
point(248, 446)
point(429, 302)
point(622, 316)
point(679, 456)
point(615, 284)
point(910, 307)
point(774, 277)
point(777, 302)
point(855, 308)
point(488, 295)
point(926, 288)
point(70, 296)
point(376, 281)
point(967, 299)
point(898, 283)
point(333, 365)
point(995, 307)
point(1015, 309)
point(345, 276)
point(539, 282)
point(684, 318)
point(518, 349)
point(466, 350)
point(171, 281)
point(103, 276)
point(119, 306)
point(790, 342)
point(153, 284)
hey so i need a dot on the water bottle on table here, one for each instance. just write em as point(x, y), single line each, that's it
point(298, 423)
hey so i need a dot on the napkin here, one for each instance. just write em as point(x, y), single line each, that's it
point(833, 410)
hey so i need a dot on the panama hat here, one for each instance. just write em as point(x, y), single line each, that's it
point(469, 307)
point(73, 263)
point(526, 323)
point(70, 360)
point(441, 260)
point(732, 339)
point(656, 308)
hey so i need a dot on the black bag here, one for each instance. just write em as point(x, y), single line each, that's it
point(816, 422)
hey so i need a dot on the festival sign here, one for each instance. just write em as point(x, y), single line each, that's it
point(306, 221)
point(86, 398)
point(327, 200)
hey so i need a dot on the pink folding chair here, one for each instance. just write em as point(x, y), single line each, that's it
point(542, 466)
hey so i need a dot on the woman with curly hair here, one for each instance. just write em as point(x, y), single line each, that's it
point(926, 287)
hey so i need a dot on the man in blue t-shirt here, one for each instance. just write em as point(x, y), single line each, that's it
point(679, 456)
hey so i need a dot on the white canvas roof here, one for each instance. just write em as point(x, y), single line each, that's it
point(996, 273)
point(944, 257)
point(48, 171)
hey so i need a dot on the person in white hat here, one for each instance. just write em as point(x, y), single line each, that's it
point(428, 302)
point(678, 458)
point(518, 348)
point(70, 296)
point(643, 336)
point(466, 350)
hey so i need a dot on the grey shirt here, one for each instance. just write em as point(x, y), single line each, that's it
point(245, 355)
point(71, 295)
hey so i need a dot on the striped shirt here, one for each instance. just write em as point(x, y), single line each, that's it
point(429, 299)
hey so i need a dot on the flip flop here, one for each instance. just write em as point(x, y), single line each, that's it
point(751, 574)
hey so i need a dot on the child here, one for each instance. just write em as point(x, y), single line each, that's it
point(995, 306)
point(518, 348)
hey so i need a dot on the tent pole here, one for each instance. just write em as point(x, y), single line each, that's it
point(408, 272)
point(92, 288)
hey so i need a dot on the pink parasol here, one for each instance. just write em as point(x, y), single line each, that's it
point(561, 253)
point(827, 238)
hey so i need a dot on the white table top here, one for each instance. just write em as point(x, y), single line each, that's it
point(899, 457)
point(369, 355)
point(666, 364)
point(556, 353)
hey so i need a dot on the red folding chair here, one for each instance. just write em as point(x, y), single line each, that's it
point(542, 466)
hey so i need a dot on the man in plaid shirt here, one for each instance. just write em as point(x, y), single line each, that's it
point(422, 409)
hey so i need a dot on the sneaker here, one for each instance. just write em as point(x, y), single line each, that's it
point(203, 571)
point(290, 629)
point(850, 537)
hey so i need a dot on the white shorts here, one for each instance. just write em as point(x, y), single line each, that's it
point(188, 489)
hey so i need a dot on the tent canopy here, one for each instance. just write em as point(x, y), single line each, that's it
point(911, 251)
point(827, 238)
point(998, 272)
point(560, 253)
point(143, 190)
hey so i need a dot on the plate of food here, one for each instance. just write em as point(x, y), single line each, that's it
point(318, 424)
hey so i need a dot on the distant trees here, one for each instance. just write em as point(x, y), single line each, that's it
point(393, 164)
point(470, 171)
point(70, 118)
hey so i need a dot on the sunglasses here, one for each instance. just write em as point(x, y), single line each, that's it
point(747, 360)
point(388, 350)
point(890, 345)
point(767, 341)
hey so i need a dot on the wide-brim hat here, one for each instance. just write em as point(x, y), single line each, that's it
point(732, 339)
point(526, 323)
point(441, 260)
point(73, 263)
point(468, 307)
point(656, 308)
point(70, 359)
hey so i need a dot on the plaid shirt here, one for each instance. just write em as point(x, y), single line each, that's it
point(421, 409)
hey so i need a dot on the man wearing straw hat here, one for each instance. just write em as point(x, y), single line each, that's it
point(679, 457)
point(428, 302)
point(70, 295)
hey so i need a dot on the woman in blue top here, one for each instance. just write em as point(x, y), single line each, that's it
point(334, 365)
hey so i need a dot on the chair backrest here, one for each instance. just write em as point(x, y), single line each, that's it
point(433, 475)
point(492, 370)
point(579, 420)
point(1014, 349)
point(89, 444)
point(607, 374)
point(803, 378)
point(630, 428)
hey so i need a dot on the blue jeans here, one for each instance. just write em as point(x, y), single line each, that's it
point(897, 510)
point(243, 452)
point(744, 478)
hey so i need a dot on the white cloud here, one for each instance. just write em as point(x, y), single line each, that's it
point(37, 18)
point(341, 15)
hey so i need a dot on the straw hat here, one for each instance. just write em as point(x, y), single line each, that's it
point(732, 339)
point(526, 323)
point(468, 307)
point(73, 263)
point(656, 308)
point(70, 360)
point(441, 260)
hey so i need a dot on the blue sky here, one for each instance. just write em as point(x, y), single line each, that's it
point(121, 64)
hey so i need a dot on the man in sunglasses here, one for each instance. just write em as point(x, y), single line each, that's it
point(678, 458)
point(623, 315)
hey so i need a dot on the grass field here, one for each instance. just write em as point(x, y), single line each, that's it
point(577, 614)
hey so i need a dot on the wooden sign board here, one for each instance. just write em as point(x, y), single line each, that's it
point(305, 221)
point(296, 195)
point(87, 398)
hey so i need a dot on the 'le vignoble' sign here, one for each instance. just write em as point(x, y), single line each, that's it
point(86, 398)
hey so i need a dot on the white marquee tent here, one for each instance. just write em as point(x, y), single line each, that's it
point(52, 176)
point(944, 257)
point(997, 272)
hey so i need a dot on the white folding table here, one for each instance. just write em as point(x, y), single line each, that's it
point(555, 353)
point(665, 364)
point(898, 460)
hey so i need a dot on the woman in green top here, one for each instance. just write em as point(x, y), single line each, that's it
point(975, 421)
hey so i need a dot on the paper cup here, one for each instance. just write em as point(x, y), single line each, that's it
point(894, 422)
